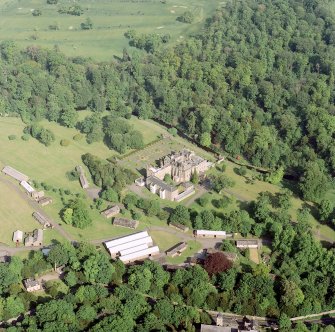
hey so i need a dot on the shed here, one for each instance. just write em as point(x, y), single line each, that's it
point(18, 236)
point(12, 172)
point(43, 220)
point(210, 234)
point(243, 244)
point(128, 223)
point(34, 240)
point(131, 244)
point(177, 249)
point(111, 212)
point(83, 181)
point(31, 285)
point(29, 189)
point(45, 201)
point(37, 195)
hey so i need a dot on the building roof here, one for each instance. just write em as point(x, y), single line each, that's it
point(139, 254)
point(115, 249)
point(125, 239)
point(214, 328)
point(43, 220)
point(111, 211)
point(18, 236)
point(45, 200)
point(83, 181)
point(176, 248)
point(35, 238)
point(27, 186)
point(161, 184)
point(129, 223)
point(134, 249)
point(246, 243)
point(28, 283)
point(212, 233)
point(15, 174)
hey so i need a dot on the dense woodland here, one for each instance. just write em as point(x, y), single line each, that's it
point(258, 81)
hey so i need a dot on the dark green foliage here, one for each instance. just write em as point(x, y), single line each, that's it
point(36, 12)
point(76, 214)
point(186, 17)
point(106, 174)
point(87, 25)
point(110, 195)
point(75, 10)
point(220, 181)
point(12, 137)
point(25, 137)
point(45, 136)
point(180, 215)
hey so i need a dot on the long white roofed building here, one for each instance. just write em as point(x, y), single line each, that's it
point(133, 247)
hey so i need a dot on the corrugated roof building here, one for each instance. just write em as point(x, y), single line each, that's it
point(8, 170)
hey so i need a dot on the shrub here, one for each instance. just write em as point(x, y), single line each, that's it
point(12, 137)
point(64, 142)
point(25, 137)
point(37, 12)
point(186, 17)
point(78, 137)
point(128, 116)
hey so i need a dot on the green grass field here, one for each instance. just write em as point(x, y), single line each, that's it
point(111, 19)
point(15, 213)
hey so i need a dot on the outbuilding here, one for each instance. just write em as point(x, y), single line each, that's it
point(31, 285)
point(12, 172)
point(210, 234)
point(111, 212)
point(123, 222)
point(244, 244)
point(18, 236)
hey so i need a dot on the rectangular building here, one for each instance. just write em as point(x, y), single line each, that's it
point(114, 251)
point(139, 255)
point(111, 212)
point(128, 223)
point(210, 234)
point(29, 189)
point(125, 239)
point(45, 201)
point(43, 220)
point(36, 239)
point(83, 181)
point(178, 226)
point(134, 249)
point(18, 236)
point(243, 244)
point(177, 249)
point(12, 172)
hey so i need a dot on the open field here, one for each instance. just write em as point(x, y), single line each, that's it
point(13, 218)
point(254, 255)
point(111, 19)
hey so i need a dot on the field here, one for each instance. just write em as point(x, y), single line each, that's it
point(13, 218)
point(111, 19)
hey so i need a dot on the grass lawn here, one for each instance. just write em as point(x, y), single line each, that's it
point(13, 218)
point(111, 19)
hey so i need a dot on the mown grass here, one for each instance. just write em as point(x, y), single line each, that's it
point(15, 214)
point(111, 19)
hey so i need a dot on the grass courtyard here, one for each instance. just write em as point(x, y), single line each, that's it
point(111, 19)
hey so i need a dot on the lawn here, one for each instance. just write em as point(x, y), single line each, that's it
point(13, 218)
point(111, 19)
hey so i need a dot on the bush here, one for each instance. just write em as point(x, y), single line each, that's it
point(186, 17)
point(37, 12)
point(78, 137)
point(128, 116)
point(64, 142)
point(25, 137)
point(12, 137)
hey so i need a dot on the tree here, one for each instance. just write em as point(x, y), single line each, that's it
point(291, 293)
point(52, 2)
point(110, 195)
point(205, 139)
point(36, 12)
point(217, 263)
point(186, 17)
point(180, 215)
point(284, 322)
point(314, 183)
point(275, 176)
point(326, 208)
point(76, 214)
point(87, 25)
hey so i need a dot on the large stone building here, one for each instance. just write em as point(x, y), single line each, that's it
point(180, 166)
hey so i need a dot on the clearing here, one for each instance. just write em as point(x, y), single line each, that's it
point(111, 19)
